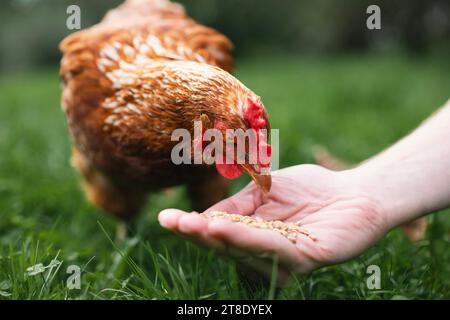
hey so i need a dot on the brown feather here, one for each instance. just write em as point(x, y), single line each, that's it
point(129, 81)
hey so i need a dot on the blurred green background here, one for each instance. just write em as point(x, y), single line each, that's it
point(31, 29)
point(325, 79)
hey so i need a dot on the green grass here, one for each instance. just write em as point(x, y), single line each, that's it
point(355, 105)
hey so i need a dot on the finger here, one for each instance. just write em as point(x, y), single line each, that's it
point(194, 228)
point(245, 202)
point(168, 218)
point(262, 243)
point(189, 225)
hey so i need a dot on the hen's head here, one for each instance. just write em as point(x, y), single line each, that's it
point(198, 91)
point(245, 143)
point(239, 115)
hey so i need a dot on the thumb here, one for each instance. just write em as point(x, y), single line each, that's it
point(244, 202)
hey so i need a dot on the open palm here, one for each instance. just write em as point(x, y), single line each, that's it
point(344, 221)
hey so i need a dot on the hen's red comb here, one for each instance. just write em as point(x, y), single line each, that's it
point(253, 114)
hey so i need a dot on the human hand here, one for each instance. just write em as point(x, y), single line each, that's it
point(344, 219)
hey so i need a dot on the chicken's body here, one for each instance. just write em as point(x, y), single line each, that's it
point(144, 71)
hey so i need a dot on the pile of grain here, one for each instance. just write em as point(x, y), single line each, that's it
point(289, 230)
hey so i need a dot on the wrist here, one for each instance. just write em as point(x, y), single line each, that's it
point(391, 191)
point(411, 178)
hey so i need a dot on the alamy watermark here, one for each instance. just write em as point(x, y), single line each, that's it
point(73, 271)
point(74, 279)
point(373, 22)
point(373, 282)
point(73, 21)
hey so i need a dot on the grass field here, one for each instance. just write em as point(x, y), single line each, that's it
point(354, 105)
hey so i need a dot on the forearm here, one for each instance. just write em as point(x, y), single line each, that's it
point(412, 178)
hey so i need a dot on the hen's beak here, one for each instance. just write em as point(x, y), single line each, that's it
point(263, 181)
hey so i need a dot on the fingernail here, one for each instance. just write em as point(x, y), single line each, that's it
point(164, 218)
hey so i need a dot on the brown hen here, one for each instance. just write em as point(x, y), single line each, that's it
point(129, 82)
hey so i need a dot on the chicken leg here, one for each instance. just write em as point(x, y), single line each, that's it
point(107, 196)
point(206, 190)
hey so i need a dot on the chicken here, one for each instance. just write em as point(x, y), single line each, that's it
point(129, 82)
